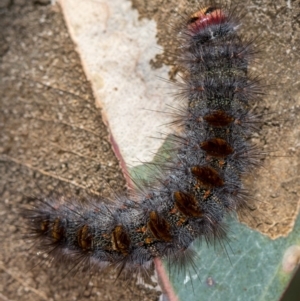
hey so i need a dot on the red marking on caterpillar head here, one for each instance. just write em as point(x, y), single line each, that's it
point(206, 17)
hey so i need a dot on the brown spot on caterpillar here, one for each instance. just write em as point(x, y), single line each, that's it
point(149, 240)
point(173, 211)
point(84, 238)
point(57, 232)
point(181, 221)
point(141, 230)
point(187, 204)
point(159, 227)
point(120, 240)
point(221, 163)
point(206, 194)
point(218, 119)
point(208, 176)
point(217, 147)
point(44, 226)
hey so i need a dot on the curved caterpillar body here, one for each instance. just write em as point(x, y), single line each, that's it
point(197, 188)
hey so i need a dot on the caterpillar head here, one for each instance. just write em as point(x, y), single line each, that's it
point(205, 17)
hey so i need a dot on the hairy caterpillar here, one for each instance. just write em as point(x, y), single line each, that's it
point(197, 188)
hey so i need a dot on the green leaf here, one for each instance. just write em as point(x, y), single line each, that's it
point(253, 272)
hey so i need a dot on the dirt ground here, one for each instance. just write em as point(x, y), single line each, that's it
point(44, 93)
